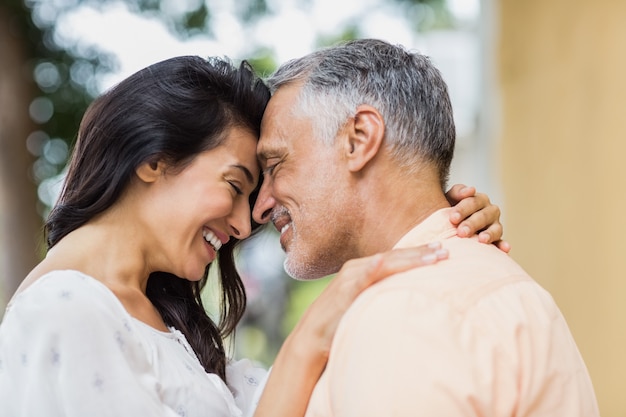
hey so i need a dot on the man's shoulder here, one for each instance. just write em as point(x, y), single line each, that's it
point(470, 256)
point(473, 271)
point(469, 264)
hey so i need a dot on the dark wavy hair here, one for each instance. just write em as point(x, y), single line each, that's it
point(171, 111)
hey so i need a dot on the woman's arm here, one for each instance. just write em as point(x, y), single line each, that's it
point(303, 356)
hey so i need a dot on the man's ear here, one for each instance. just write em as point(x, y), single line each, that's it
point(366, 132)
point(149, 171)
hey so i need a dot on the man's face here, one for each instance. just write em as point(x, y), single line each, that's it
point(304, 192)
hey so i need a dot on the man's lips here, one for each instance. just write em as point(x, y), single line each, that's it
point(282, 225)
point(282, 222)
point(281, 219)
point(285, 228)
point(284, 235)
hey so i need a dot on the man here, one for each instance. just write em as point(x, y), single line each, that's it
point(356, 146)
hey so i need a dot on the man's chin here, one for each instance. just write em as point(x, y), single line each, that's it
point(303, 271)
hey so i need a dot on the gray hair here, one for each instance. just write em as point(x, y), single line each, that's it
point(404, 87)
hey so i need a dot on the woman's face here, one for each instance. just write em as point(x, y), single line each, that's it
point(201, 207)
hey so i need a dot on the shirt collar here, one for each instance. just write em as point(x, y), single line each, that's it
point(435, 227)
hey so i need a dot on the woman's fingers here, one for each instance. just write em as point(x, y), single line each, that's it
point(473, 213)
point(459, 192)
point(503, 245)
point(400, 260)
point(358, 274)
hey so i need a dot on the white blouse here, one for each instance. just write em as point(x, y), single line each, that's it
point(69, 348)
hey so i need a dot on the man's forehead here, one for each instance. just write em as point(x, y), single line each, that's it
point(274, 131)
point(273, 141)
point(282, 102)
point(277, 122)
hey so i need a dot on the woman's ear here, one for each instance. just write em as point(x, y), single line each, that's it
point(149, 171)
point(366, 132)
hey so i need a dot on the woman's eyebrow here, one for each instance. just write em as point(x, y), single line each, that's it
point(246, 172)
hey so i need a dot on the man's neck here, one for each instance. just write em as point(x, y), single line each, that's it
point(392, 211)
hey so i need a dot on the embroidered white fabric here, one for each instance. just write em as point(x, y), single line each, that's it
point(69, 348)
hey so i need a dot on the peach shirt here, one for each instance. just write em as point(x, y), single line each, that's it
point(473, 335)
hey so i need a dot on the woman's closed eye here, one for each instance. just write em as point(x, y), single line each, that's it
point(238, 190)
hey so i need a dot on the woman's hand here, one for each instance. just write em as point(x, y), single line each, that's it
point(355, 276)
point(302, 358)
point(473, 213)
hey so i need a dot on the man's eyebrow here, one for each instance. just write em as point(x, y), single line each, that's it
point(246, 172)
point(264, 154)
point(274, 150)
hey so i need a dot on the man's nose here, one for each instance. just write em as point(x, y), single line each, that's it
point(264, 204)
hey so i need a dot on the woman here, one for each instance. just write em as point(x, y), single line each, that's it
point(160, 185)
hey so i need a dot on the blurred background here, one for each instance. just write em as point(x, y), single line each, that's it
point(539, 95)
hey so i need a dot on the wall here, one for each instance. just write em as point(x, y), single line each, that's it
point(561, 76)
